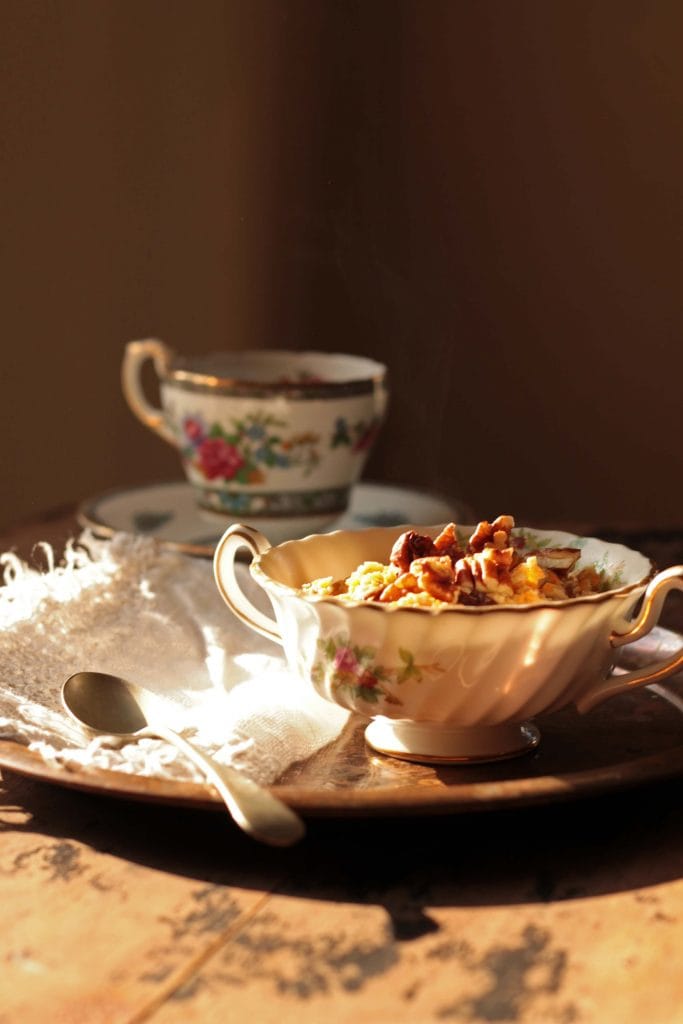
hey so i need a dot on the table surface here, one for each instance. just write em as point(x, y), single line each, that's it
point(120, 912)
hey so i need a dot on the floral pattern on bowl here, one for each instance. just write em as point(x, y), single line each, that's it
point(353, 672)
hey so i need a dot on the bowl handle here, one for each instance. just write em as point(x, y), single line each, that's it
point(653, 599)
point(137, 353)
point(235, 537)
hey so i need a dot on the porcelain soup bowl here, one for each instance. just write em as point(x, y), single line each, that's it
point(263, 435)
point(448, 684)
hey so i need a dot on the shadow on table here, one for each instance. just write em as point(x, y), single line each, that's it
point(575, 849)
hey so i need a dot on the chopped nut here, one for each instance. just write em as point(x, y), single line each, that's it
point(493, 568)
point(588, 581)
point(436, 575)
point(447, 543)
point(558, 558)
point(464, 577)
point(410, 545)
point(481, 536)
point(504, 523)
point(496, 533)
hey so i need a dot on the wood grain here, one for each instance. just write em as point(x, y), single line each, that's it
point(117, 912)
point(558, 912)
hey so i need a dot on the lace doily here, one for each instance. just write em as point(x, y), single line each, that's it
point(129, 607)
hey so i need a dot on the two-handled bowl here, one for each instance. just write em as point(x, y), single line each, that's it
point(450, 683)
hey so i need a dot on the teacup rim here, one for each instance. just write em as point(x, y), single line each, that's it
point(178, 370)
point(269, 583)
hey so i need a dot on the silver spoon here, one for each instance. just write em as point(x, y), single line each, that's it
point(108, 704)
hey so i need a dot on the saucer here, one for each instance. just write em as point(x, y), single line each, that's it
point(169, 512)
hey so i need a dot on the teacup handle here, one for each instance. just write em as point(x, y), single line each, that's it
point(235, 537)
point(653, 599)
point(137, 353)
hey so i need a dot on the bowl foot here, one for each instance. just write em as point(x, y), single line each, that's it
point(437, 744)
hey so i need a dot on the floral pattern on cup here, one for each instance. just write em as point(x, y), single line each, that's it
point(353, 672)
point(245, 451)
point(359, 437)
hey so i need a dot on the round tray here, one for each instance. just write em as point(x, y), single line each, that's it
point(632, 739)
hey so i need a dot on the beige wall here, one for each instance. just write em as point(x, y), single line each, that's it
point(488, 196)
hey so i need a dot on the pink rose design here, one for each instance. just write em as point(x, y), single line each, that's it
point(217, 458)
point(194, 429)
point(345, 660)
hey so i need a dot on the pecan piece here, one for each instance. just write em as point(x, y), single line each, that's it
point(464, 576)
point(409, 546)
point(505, 523)
point(480, 537)
point(447, 543)
point(496, 534)
point(436, 575)
point(491, 568)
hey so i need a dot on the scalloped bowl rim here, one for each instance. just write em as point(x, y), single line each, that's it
point(269, 583)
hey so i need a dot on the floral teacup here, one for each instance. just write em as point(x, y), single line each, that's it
point(264, 435)
point(452, 683)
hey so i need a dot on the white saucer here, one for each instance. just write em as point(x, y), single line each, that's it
point(168, 512)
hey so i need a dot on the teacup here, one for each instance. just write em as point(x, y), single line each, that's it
point(264, 434)
point(453, 683)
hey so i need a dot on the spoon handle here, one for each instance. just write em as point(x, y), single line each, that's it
point(252, 807)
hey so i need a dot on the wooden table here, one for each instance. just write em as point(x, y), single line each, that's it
point(115, 911)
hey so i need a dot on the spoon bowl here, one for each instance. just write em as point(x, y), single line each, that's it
point(104, 703)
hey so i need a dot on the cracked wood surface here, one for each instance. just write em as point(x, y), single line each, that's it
point(122, 913)
point(116, 912)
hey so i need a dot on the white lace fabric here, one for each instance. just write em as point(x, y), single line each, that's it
point(129, 607)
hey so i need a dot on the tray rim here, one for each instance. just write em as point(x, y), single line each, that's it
point(465, 797)
point(415, 798)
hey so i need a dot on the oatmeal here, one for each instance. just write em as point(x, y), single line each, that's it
point(491, 567)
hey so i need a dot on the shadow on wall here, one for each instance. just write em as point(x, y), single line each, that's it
point(487, 198)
